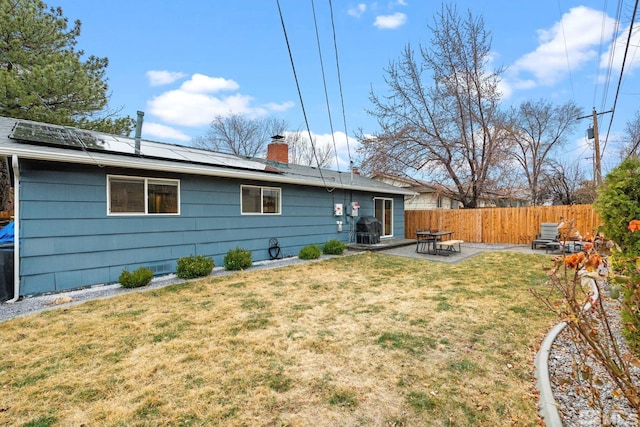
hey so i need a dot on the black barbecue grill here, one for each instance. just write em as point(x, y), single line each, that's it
point(368, 230)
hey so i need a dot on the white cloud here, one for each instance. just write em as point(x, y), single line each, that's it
point(193, 104)
point(568, 44)
point(272, 106)
point(618, 48)
point(199, 83)
point(161, 78)
point(358, 10)
point(390, 22)
point(162, 132)
point(196, 109)
point(505, 88)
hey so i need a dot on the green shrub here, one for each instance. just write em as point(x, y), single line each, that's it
point(618, 203)
point(140, 277)
point(333, 247)
point(194, 266)
point(237, 259)
point(309, 252)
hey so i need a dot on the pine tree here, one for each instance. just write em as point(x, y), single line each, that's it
point(44, 77)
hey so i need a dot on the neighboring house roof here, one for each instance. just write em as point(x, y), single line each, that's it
point(40, 141)
point(423, 187)
point(412, 184)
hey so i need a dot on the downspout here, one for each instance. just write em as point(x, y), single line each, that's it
point(16, 227)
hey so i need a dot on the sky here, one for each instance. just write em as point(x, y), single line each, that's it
point(183, 63)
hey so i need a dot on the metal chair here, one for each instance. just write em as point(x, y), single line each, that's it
point(548, 234)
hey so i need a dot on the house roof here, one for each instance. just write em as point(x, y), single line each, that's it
point(40, 141)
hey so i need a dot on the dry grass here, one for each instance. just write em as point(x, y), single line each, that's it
point(351, 341)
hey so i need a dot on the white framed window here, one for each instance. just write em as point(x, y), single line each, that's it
point(255, 200)
point(130, 195)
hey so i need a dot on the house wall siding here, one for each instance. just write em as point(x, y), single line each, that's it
point(69, 241)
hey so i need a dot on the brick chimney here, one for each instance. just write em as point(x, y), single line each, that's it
point(277, 150)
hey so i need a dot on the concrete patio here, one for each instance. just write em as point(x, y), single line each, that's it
point(407, 248)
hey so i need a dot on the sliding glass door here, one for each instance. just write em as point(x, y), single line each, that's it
point(383, 210)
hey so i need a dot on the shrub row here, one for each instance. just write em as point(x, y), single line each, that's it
point(332, 247)
point(236, 259)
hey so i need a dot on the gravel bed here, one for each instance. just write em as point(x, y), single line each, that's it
point(572, 394)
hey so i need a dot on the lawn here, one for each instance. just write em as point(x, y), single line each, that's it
point(363, 340)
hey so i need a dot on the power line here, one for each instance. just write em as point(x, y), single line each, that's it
point(304, 113)
point(566, 51)
point(324, 83)
point(335, 47)
point(612, 52)
point(624, 60)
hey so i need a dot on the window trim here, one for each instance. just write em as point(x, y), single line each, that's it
point(146, 180)
point(262, 188)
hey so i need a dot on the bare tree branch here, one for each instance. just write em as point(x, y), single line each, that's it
point(536, 129)
point(241, 135)
point(301, 150)
point(441, 114)
point(563, 184)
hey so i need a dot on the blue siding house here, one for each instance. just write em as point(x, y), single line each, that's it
point(88, 205)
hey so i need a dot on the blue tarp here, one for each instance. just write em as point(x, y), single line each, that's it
point(6, 234)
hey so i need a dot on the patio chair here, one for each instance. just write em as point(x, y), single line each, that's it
point(548, 235)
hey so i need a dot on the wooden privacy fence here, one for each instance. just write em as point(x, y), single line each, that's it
point(499, 225)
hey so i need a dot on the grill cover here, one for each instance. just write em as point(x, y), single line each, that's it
point(368, 230)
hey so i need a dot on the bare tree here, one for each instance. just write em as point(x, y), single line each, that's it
point(632, 131)
point(442, 111)
point(301, 151)
point(563, 184)
point(536, 128)
point(241, 135)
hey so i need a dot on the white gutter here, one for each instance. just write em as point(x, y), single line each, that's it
point(16, 227)
point(81, 157)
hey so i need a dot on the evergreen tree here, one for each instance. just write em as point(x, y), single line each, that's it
point(43, 76)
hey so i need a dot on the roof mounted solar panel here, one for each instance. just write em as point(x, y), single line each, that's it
point(72, 138)
point(55, 135)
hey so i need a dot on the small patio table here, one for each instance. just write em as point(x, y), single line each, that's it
point(427, 242)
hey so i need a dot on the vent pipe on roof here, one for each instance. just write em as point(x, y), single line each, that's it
point(139, 130)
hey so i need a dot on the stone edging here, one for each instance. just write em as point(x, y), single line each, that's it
point(548, 408)
point(548, 405)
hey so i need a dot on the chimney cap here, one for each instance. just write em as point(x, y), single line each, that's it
point(277, 137)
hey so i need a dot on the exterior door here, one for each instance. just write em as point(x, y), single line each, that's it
point(383, 211)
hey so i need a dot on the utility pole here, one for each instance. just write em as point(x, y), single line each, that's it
point(596, 148)
point(597, 173)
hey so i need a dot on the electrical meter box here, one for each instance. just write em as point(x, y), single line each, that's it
point(337, 209)
point(355, 207)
